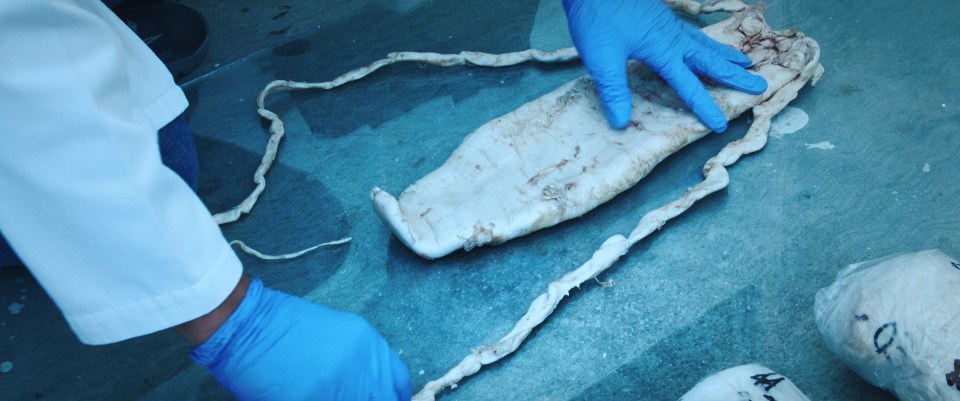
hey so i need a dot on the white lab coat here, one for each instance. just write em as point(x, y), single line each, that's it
point(121, 243)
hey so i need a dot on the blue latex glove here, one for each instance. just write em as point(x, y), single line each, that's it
point(279, 347)
point(609, 32)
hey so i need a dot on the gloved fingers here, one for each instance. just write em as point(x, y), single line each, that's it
point(608, 69)
point(726, 52)
point(689, 88)
point(280, 347)
point(713, 66)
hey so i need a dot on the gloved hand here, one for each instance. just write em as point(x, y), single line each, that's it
point(609, 32)
point(279, 347)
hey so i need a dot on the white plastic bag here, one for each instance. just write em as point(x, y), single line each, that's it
point(745, 383)
point(896, 322)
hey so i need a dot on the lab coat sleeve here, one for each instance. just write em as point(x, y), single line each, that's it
point(119, 241)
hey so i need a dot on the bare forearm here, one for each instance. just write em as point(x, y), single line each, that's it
point(198, 330)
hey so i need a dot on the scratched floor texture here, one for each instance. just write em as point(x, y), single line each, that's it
point(730, 282)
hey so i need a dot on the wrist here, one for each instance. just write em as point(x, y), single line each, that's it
point(197, 331)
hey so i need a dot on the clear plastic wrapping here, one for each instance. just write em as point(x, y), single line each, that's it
point(745, 383)
point(896, 322)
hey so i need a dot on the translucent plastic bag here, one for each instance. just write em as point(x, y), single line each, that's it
point(896, 322)
point(745, 383)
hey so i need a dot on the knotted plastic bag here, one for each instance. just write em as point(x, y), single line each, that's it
point(896, 322)
point(751, 382)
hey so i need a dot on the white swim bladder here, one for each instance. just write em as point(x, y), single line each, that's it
point(556, 158)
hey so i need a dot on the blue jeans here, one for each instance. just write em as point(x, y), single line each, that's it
point(178, 152)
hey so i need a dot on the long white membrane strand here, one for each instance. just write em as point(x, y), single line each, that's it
point(716, 178)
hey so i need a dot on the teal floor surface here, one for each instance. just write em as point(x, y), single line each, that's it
point(730, 282)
